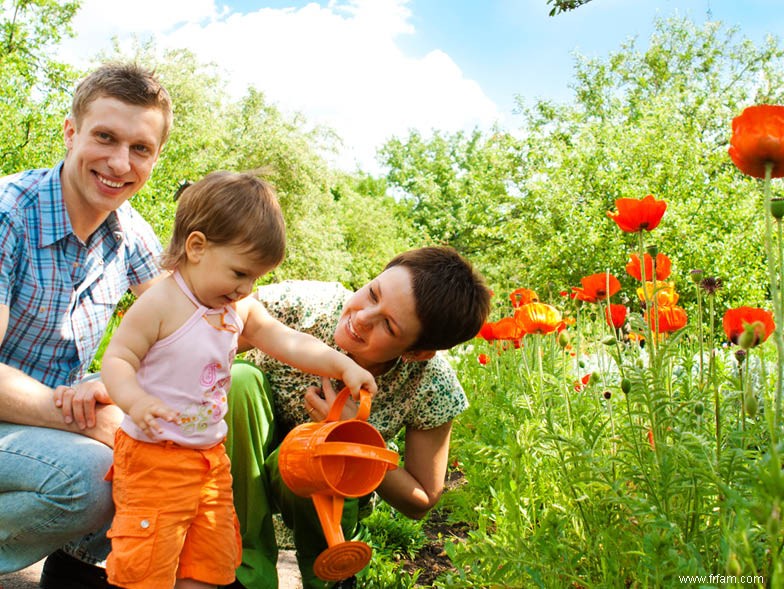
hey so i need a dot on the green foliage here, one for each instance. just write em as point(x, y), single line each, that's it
point(393, 534)
point(34, 88)
point(654, 121)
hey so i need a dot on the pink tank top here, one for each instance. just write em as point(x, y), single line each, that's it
point(190, 370)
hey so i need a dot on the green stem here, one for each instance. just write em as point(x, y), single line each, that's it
point(650, 336)
point(700, 335)
point(775, 290)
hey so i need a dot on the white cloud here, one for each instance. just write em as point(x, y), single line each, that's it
point(340, 64)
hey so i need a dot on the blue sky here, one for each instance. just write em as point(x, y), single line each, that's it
point(372, 69)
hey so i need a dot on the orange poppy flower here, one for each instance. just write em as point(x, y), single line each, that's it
point(538, 318)
point(663, 267)
point(736, 320)
point(758, 139)
point(507, 329)
point(523, 296)
point(486, 332)
point(633, 215)
point(594, 287)
point(669, 319)
point(483, 359)
point(663, 291)
point(616, 315)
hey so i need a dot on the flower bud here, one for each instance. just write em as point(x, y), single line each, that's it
point(740, 356)
point(608, 340)
point(564, 338)
point(746, 339)
point(653, 251)
point(699, 408)
point(626, 385)
point(696, 275)
point(777, 207)
point(607, 395)
point(751, 405)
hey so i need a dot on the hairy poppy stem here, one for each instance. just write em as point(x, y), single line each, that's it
point(775, 292)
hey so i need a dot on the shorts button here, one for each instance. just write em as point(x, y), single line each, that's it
point(145, 524)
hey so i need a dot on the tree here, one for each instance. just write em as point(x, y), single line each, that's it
point(559, 6)
point(35, 90)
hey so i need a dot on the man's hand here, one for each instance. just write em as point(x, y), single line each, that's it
point(78, 403)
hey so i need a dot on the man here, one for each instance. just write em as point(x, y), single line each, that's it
point(70, 247)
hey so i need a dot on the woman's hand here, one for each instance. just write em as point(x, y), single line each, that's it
point(78, 402)
point(318, 402)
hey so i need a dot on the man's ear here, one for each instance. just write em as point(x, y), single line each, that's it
point(418, 355)
point(195, 246)
point(69, 130)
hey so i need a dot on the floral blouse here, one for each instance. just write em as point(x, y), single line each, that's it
point(420, 395)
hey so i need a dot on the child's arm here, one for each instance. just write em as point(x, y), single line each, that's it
point(136, 334)
point(300, 350)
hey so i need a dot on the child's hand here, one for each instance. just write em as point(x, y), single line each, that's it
point(355, 378)
point(146, 411)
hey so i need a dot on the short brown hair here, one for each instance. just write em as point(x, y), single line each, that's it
point(229, 208)
point(127, 82)
point(451, 299)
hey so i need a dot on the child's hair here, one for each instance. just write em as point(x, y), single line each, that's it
point(229, 209)
point(452, 301)
point(127, 82)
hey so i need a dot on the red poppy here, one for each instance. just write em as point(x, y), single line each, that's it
point(594, 287)
point(482, 359)
point(669, 319)
point(760, 321)
point(507, 329)
point(487, 333)
point(650, 439)
point(663, 267)
point(538, 318)
point(616, 315)
point(523, 296)
point(579, 385)
point(633, 215)
point(758, 139)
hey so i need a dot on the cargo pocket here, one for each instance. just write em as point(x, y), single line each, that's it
point(133, 539)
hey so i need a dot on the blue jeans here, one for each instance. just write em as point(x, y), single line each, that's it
point(52, 495)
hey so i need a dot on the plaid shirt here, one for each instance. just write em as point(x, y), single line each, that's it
point(61, 292)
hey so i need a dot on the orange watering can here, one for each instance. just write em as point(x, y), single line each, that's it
point(329, 461)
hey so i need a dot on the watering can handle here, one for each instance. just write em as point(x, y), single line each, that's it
point(340, 401)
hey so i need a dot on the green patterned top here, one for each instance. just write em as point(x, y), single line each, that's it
point(420, 395)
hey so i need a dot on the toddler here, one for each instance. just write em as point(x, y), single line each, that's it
point(168, 368)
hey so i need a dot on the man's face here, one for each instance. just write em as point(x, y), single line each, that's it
point(110, 155)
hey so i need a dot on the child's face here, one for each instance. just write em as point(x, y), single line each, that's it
point(223, 274)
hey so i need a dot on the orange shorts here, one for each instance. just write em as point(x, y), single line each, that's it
point(174, 516)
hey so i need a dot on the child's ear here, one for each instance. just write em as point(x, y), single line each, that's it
point(195, 246)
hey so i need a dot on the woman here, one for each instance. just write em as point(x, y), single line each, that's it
point(425, 300)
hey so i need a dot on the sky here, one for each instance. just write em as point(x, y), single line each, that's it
point(376, 69)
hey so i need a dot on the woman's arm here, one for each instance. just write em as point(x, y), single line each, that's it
point(415, 488)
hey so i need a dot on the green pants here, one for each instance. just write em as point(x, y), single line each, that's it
point(259, 491)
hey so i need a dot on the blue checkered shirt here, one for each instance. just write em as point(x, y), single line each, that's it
point(61, 292)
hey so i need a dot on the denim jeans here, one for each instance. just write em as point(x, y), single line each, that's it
point(52, 495)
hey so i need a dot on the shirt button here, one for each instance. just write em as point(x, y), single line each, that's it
point(145, 524)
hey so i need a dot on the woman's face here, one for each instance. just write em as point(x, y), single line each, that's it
point(379, 321)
